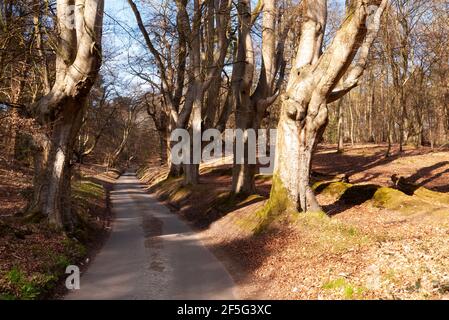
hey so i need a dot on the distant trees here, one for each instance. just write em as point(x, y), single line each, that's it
point(401, 97)
point(129, 110)
point(169, 56)
point(98, 116)
point(154, 107)
point(189, 60)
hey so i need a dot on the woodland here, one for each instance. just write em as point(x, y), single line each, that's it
point(357, 205)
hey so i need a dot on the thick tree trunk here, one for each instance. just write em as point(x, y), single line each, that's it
point(191, 171)
point(295, 144)
point(243, 182)
point(191, 174)
point(52, 197)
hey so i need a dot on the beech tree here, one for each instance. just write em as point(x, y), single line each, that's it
point(60, 111)
point(317, 78)
point(251, 105)
point(170, 62)
point(200, 46)
point(202, 72)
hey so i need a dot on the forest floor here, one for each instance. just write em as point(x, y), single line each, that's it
point(33, 256)
point(374, 242)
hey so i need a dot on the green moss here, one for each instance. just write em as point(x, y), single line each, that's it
point(278, 203)
point(347, 290)
point(422, 201)
point(327, 232)
point(396, 200)
point(87, 189)
point(332, 188)
point(248, 200)
point(335, 284)
point(389, 198)
point(432, 196)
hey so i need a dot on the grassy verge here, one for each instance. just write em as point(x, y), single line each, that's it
point(34, 257)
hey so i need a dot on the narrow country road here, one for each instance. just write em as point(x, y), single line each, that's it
point(151, 254)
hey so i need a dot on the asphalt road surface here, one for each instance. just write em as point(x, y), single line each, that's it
point(151, 254)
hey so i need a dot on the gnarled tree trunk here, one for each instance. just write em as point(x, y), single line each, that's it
point(52, 195)
point(312, 85)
